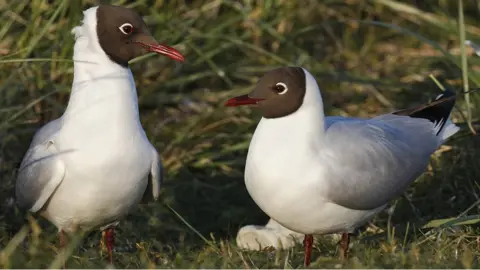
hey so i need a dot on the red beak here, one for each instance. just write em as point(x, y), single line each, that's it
point(163, 49)
point(242, 100)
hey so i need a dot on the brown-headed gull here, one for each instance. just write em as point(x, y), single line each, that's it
point(90, 167)
point(321, 175)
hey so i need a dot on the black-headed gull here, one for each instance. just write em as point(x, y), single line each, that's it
point(91, 166)
point(320, 175)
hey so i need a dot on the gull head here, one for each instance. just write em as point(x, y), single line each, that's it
point(281, 92)
point(120, 33)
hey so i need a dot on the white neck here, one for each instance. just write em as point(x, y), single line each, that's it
point(108, 90)
point(303, 128)
point(101, 88)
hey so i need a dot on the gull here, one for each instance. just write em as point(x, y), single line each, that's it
point(90, 167)
point(321, 175)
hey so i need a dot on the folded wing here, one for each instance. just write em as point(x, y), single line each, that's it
point(369, 162)
point(39, 175)
point(155, 178)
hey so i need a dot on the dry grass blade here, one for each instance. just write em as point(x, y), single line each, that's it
point(11, 247)
point(193, 229)
point(451, 222)
point(64, 254)
point(367, 57)
point(445, 23)
point(465, 66)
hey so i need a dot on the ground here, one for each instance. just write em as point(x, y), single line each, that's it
point(369, 57)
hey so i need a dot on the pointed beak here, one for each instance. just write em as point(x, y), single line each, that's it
point(151, 45)
point(242, 100)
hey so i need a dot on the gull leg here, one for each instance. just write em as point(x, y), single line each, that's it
point(307, 242)
point(108, 237)
point(62, 242)
point(344, 243)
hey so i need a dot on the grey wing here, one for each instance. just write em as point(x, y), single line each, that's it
point(40, 173)
point(46, 132)
point(369, 162)
point(155, 179)
point(330, 120)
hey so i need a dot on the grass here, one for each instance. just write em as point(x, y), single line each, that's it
point(369, 57)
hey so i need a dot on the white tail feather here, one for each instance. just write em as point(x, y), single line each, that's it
point(449, 129)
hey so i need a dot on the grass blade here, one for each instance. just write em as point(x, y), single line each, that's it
point(465, 66)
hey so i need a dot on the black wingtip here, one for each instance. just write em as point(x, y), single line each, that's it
point(436, 112)
point(447, 93)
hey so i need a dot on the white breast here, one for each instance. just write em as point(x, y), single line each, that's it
point(286, 181)
point(103, 181)
point(106, 154)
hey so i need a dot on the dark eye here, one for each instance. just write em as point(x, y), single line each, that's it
point(126, 28)
point(280, 88)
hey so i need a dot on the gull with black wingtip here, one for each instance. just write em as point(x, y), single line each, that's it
point(321, 175)
point(91, 166)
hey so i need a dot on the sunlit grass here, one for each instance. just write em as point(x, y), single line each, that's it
point(369, 57)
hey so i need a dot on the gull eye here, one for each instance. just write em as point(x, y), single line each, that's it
point(126, 28)
point(280, 88)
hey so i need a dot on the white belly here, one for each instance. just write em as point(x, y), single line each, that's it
point(85, 207)
point(297, 203)
point(100, 187)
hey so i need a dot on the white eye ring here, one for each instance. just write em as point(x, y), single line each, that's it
point(123, 25)
point(281, 88)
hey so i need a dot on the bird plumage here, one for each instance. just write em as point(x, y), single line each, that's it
point(91, 166)
point(317, 175)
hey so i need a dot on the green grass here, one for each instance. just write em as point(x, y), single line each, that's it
point(369, 57)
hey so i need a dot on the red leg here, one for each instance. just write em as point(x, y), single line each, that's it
point(307, 242)
point(62, 239)
point(344, 243)
point(110, 242)
point(62, 242)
